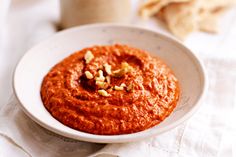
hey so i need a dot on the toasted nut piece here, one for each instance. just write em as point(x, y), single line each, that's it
point(130, 87)
point(100, 76)
point(88, 56)
point(124, 64)
point(100, 79)
point(102, 92)
point(100, 73)
point(125, 68)
point(123, 85)
point(119, 88)
point(118, 73)
point(108, 78)
point(107, 68)
point(110, 89)
point(88, 74)
point(101, 84)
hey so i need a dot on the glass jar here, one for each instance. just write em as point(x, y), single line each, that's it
point(80, 12)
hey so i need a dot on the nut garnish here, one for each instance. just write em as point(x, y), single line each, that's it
point(88, 56)
point(130, 87)
point(101, 84)
point(125, 68)
point(100, 73)
point(107, 68)
point(100, 79)
point(125, 65)
point(118, 88)
point(118, 73)
point(123, 85)
point(102, 92)
point(110, 89)
point(100, 76)
point(108, 79)
point(88, 74)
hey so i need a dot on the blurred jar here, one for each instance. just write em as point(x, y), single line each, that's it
point(79, 12)
point(4, 6)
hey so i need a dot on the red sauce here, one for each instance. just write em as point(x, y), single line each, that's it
point(73, 99)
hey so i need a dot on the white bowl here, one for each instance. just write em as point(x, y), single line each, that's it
point(37, 62)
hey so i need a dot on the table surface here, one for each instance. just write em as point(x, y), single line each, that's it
point(30, 22)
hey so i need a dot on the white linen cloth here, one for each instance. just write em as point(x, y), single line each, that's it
point(210, 132)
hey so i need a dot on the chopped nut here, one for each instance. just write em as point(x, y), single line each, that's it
point(125, 68)
point(108, 78)
point(123, 85)
point(100, 76)
point(124, 64)
point(100, 73)
point(103, 93)
point(107, 68)
point(118, 73)
point(88, 74)
point(101, 84)
point(88, 56)
point(110, 89)
point(130, 87)
point(119, 88)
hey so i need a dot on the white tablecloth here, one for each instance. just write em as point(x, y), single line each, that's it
point(210, 132)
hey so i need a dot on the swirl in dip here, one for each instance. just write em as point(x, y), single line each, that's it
point(110, 90)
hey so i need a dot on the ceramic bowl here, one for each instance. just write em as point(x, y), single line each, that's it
point(35, 64)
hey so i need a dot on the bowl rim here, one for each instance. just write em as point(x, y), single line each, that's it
point(83, 136)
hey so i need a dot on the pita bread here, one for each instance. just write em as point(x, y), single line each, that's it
point(210, 12)
point(160, 15)
point(185, 16)
point(209, 20)
point(181, 18)
point(213, 4)
point(151, 7)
